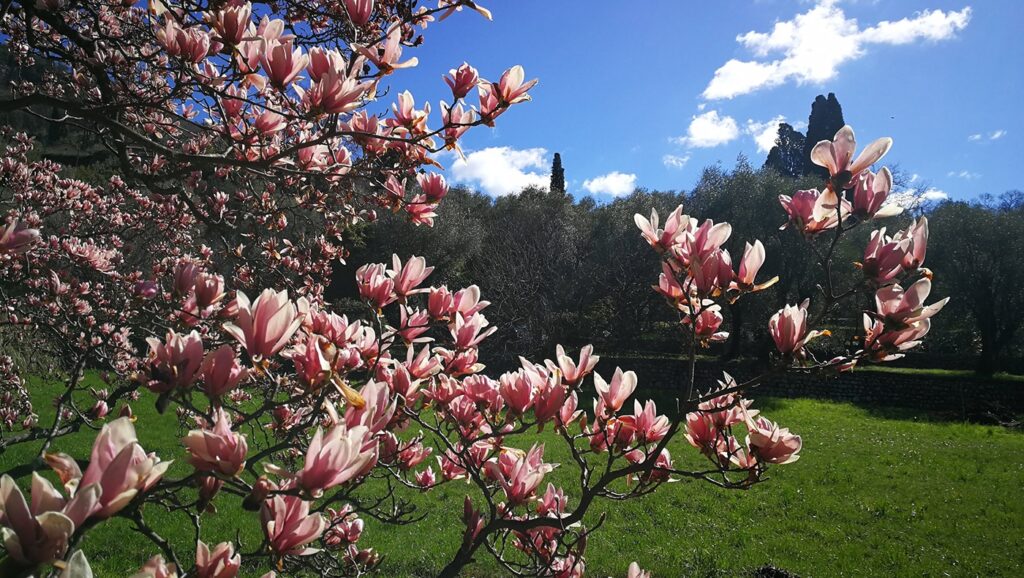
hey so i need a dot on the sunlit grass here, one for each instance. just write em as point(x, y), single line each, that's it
point(876, 492)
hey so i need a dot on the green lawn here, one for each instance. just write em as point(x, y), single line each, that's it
point(876, 493)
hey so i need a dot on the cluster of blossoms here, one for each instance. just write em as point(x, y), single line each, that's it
point(193, 279)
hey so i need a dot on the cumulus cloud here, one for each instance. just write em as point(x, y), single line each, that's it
point(615, 184)
point(812, 46)
point(764, 133)
point(501, 171)
point(709, 130)
point(675, 161)
point(933, 194)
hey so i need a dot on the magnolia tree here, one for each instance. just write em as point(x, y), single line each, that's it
point(249, 139)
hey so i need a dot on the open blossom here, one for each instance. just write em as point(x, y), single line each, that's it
point(614, 394)
point(334, 458)
point(772, 444)
point(375, 286)
point(222, 372)
point(573, 373)
point(17, 238)
point(707, 324)
point(409, 276)
point(282, 62)
point(903, 308)
point(837, 155)
point(812, 212)
point(386, 57)
point(266, 325)
point(663, 239)
point(222, 562)
point(461, 80)
point(517, 391)
point(217, 449)
point(175, 361)
point(512, 87)
point(870, 193)
point(289, 526)
point(433, 185)
point(519, 474)
point(209, 289)
point(120, 467)
point(468, 332)
point(36, 534)
point(231, 23)
point(650, 427)
point(788, 328)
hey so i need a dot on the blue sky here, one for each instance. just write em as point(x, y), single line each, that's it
point(649, 92)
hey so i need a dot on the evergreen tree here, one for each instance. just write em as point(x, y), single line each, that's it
point(826, 119)
point(557, 175)
point(786, 157)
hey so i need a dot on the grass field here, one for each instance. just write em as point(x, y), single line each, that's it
point(876, 493)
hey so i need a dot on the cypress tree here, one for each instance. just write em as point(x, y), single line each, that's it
point(826, 119)
point(557, 175)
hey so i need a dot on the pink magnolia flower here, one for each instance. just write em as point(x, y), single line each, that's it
point(702, 432)
point(870, 194)
point(553, 503)
point(812, 212)
point(917, 232)
point(573, 373)
point(335, 93)
point(462, 80)
point(663, 239)
point(120, 467)
point(185, 273)
point(174, 362)
point(209, 289)
point(433, 185)
point(902, 308)
point(222, 372)
point(217, 449)
point(568, 412)
point(884, 256)
point(772, 444)
point(231, 23)
point(467, 301)
point(650, 427)
point(322, 61)
point(753, 259)
point(289, 526)
point(157, 567)
point(359, 11)
point(468, 332)
point(334, 458)
point(456, 122)
point(282, 63)
point(837, 155)
point(614, 394)
point(17, 238)
point(522, 474)
point(707, 324)
point(408, 276)
point(788, 328)
point(548, 399)
point(517, 391)
point(222, 562)
point(36, 535)
point(375, 286)
point(512, 87)
point(266, 325)
point(311, 367)
point(385, 57)
point(634, 571)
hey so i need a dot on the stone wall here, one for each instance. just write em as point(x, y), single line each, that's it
point(967, 395)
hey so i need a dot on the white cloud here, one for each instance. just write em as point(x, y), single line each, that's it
point(933, 194)
point(765, 133)
point(709, 130)
point(964, 174)
point(994, 135)
point(615, 184)
point(675, 161)
point(813, 45)
point(914, 177)
point(501, 171)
